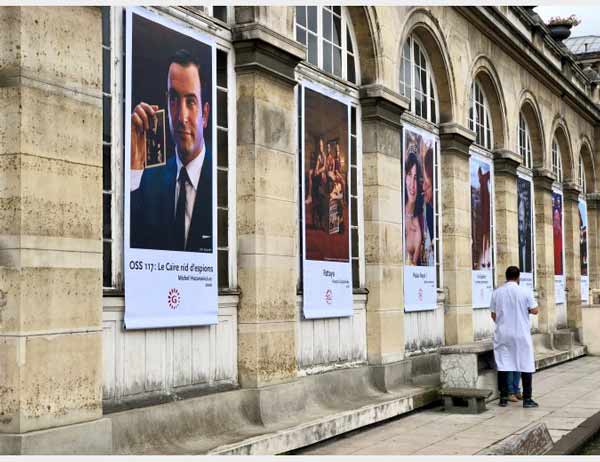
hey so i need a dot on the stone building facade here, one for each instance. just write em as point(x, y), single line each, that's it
point(68, 368)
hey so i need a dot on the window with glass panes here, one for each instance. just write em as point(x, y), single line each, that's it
point(479, 117)
point(582, 176)
point(113, 104)
point(557, 161)
point(107, 183)
point(326, 33)
point(416, 80)
point(524, 141)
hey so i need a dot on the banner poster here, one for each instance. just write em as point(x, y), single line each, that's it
point(557, 226)
point(170, 189)
point(583, 250)
point(419, 151)
point(525, 218)
point(326, 266)
point(481, 231)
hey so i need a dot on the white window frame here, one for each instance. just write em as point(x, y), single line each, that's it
point(524, 142)
point(582, 181)
point(557, 166)
point(474, 123)
point(346, 25)
point(430, 93)
point(223, 41)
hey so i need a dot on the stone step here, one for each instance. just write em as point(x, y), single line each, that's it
point(547, 358)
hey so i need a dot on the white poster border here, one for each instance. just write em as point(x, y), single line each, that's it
point(489, 274)
point(207, 316)
point(560, 296)
point(530, 279)
point(430, 272)
point(585, 280)
point(310, 309)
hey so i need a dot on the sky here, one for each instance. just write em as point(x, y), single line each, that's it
point(588, 14)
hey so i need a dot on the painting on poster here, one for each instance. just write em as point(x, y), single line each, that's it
point(327, 269)
point(481, 231)
point(557, 228)
point(583, 250)
point(419, 151)
point(525, 225)
point(169, 204)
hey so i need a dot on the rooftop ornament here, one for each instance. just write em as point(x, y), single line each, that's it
point(560, 28)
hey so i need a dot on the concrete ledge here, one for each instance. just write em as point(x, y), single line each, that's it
point(576, 439)
point(533, 441)
point(468, 348)
point(554, 357)
point(273, 419)
point(89, 438)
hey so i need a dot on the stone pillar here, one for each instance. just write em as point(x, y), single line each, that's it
point(455, 141)
point(382, 185)
point(507, 220)
point(267, 204)
point(571, 193)
point(544, 249)
point(593, 208)
point(51, 232)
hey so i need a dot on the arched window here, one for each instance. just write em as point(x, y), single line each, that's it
point(416, 80)
point(524, 142)
point(582, 176)
point(479, 117)
point(557, 167)
point(327, 35)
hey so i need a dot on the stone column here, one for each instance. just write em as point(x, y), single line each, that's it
point(544, 249)
point(571, 193)
point(593, 208)
point(507, 220)
point(267, 204)
point(455, 141)
point(51, 232)
point(382, 185)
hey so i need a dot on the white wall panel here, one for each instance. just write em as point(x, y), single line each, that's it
point(424, 330)
point(324, 343)
point(160, 360)
point(483, 324)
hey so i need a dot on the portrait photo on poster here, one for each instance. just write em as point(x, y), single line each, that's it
point(557, 228)
point(171, 140)
point(418, 193)
point(525, 225)
point(170, 268)
point(326, 198)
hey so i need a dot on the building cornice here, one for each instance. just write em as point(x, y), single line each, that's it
point(496, 26)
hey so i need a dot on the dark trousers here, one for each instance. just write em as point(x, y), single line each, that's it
point(526, 378)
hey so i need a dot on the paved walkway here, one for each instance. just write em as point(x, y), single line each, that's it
point(567, 394)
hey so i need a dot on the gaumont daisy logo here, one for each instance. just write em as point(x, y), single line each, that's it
point(328, 296)
point(174, 298)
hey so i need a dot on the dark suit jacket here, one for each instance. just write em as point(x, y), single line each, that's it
point(152, 209)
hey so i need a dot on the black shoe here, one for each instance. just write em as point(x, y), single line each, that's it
point(503, 402)
point(530, 403)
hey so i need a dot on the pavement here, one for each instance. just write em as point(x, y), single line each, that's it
point(568, 394)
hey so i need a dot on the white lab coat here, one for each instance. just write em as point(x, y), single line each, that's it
point(513, 347)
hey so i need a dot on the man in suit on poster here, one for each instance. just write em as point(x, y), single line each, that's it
point(171, 205)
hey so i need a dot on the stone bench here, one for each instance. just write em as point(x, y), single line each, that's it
point(469, 366)
point(465, 400)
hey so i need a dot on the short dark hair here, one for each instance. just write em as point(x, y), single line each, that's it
point(185, 58)
point(512, 273)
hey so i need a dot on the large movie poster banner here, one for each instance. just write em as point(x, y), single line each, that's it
point(327, 269)
point(525, 219)
point(583, 251)
point(481, 231)
point(557, 227)
point(170, 192)
point(418, 155)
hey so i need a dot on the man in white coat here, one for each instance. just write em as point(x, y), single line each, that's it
point(513, 348)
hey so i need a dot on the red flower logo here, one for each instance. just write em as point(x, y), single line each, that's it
point(173, 298)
